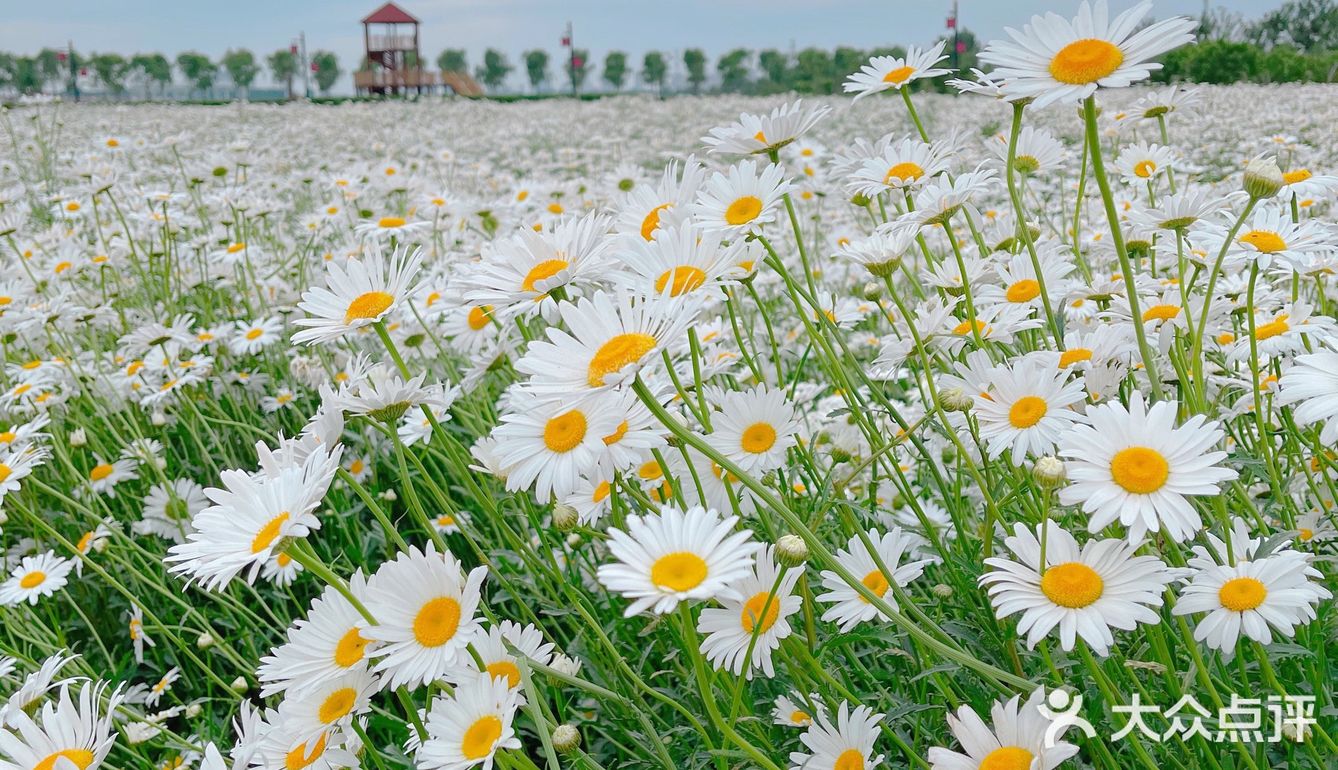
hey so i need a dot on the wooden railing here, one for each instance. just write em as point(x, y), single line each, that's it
point(395, 79)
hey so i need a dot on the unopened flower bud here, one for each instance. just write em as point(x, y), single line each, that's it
point(565, 518)
point(239, 685)
point(872, 291)
point(791, 551)
point(1263, 178)
point(1049, 472)
point(78, 437)
point(205, 641)
point(955, 400)
point(193, 710)
point(861, 200)
point(566, 738)
point(942, 590)
point(389, 495)
point(574, 541)
point(159, 419)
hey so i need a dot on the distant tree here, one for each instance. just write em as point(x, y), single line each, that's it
point(1310, 25)
point(494, 70)
point(733, 70)
point(242, 68)
point(9, 70)
point(815, 72)
point(452, 60)
point(695, 62)
point(1283, 64)
point(775, 68)
point(198, 70)
point(654, 70)
point(1223, 62)
point(845, 61)
point(577, 67)
point(1221, 24)
point(28, 75)
point(283, 68)
point(111, 70)
point(50, 69)
point(536, 68)
point(152, 68)
point(326, 70)
point(615, 69)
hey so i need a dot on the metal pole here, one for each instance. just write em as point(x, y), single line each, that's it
point(571, 58)
point(306, 67)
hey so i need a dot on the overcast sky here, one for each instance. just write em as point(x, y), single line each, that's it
point(635, 26)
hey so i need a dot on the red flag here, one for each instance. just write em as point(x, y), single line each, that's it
point(952, 22)
point(566, 42)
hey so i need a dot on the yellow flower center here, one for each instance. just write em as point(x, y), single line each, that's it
point(268, 533)
point(555, 208)
point(601, 492)
point(903, 172)
point(1266, 241)
point(899, 75)
point(32, 579)
point(369, 305)
point(964, 327)
point(1273, 328)
point(481, 737)
point(1242, 593)
point(542, 271)
point(1296, 175)
point(82, 758)
point(800, 718)
point(1024, 290)
point(678, 571)
point(618, 352)
point(1007, 758)
point(1139, 469)
point(743, 210)
point(1306, 534)
point(505, 669)
point(1161, 313)
point(100, 472)
point(337, 705)
point(680, 280)
point(850, 759)
point(565, 432)
point(1073, 585)
point(1085, 61)
point(1027, 411)
point(436, 621)
point(617, 435)
point(255, 333)
point(1074, 355)
point(1145, 168)
point(758, 438)
point(350, 649)
point(390, 222)
point(298, 758)
point(5, 472)
point(652, 221)
point(875, 582)
point(752, 615)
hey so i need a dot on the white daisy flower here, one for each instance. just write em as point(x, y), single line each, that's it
point(754, 429)
point(849, 607)
point(469, 728)
point(324, 645)
point(1028, 410)
point(64, 734)
point(358, 293)
point(887, 72)
point(757, 613)
point(846, 744)
point(1254, 598)
point(1016, 739)
point(742, 200)
point(35, 578)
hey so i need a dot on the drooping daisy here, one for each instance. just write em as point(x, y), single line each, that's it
point(1015, 739)
point(846, 744)
point(469, 728)
point(162, 686)
point(424, 606)
point(325, 644)
point(610, 338)
point(672, 556)
point(104, 476)
point(1083, 592)
point(17, 465)
point(63, 735)
point(36, 686)
point(1310, 386)
point(252, 518)
point(1053, 59)
point(1135, 466)
point(1037, 152)
point(358, 293)
point(35, 578)
point(887, 72)
point(754, 429)
point(1254, 598)
point(742, 200)
point(1027, 410)
point(758, 613)
point(793, 711)
point(138, 639)
point(849, 607)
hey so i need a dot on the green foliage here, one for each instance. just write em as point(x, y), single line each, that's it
point(327, 70)
point(733, 70)
point(452, 60)
point(536, 67)
point(654, 69)
point(153, 68)
point(198, 70)
point(1309, 25)
point(495, 68)
point(577, 67)
point(241, 66)
point(111, 70)
point(695, 61)
point(615, 69)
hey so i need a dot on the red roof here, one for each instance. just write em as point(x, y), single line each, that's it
point(390, 14)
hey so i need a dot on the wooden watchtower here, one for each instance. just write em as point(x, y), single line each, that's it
point(393, 63)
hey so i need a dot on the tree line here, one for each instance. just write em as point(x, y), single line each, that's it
point(1298, 41)
point(153, 73)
